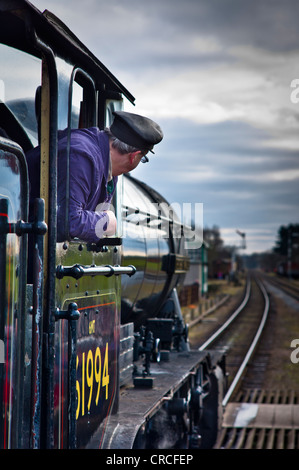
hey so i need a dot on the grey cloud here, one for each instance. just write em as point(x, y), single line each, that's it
point(147, 31)
point(238, 191)
point(144, 42)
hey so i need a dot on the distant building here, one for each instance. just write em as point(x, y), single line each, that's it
point(221, 268)
point(198, 271)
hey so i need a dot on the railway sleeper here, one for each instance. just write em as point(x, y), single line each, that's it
point(258, 438)
point(261, 419)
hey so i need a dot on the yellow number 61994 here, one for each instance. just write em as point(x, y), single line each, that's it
point(91, 373)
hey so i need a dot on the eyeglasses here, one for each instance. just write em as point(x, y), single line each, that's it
point(144, 159)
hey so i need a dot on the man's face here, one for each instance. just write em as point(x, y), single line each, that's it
point(124, 163)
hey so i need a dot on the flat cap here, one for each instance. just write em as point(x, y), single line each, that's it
point(135, 130)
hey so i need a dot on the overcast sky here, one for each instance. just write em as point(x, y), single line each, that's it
point(216, 75)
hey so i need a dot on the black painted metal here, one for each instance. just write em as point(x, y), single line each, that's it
point(72, 314)
point(10, 148)
point(37, 323)
point(47, 406)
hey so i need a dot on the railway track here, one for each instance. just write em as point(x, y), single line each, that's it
point(240, 333)
point(284, 285)
point(254, 418)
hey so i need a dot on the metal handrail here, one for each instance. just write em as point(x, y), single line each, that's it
point(78, 270)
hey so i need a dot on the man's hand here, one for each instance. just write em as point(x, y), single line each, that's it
point(111, 228)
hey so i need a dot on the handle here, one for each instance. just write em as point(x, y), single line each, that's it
point(78, 270)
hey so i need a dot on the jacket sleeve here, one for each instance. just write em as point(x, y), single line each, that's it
point(84, 223)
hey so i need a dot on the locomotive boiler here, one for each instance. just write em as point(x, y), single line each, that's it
point(96, 351)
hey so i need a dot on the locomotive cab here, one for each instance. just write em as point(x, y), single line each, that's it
point(71, 321)
point(79, 320)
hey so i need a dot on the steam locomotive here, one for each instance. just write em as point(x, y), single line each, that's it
point(95, 352)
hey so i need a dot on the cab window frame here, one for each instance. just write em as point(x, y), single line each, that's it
point(87, 117)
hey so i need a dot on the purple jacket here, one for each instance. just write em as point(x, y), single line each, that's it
point(89, 168)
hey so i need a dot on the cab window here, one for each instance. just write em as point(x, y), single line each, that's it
point(20, 77)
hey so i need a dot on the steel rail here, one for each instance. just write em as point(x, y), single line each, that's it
point(288, 289)
point(252, 347)
point(230, 320)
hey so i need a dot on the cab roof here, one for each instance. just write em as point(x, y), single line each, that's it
point(21, 22)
